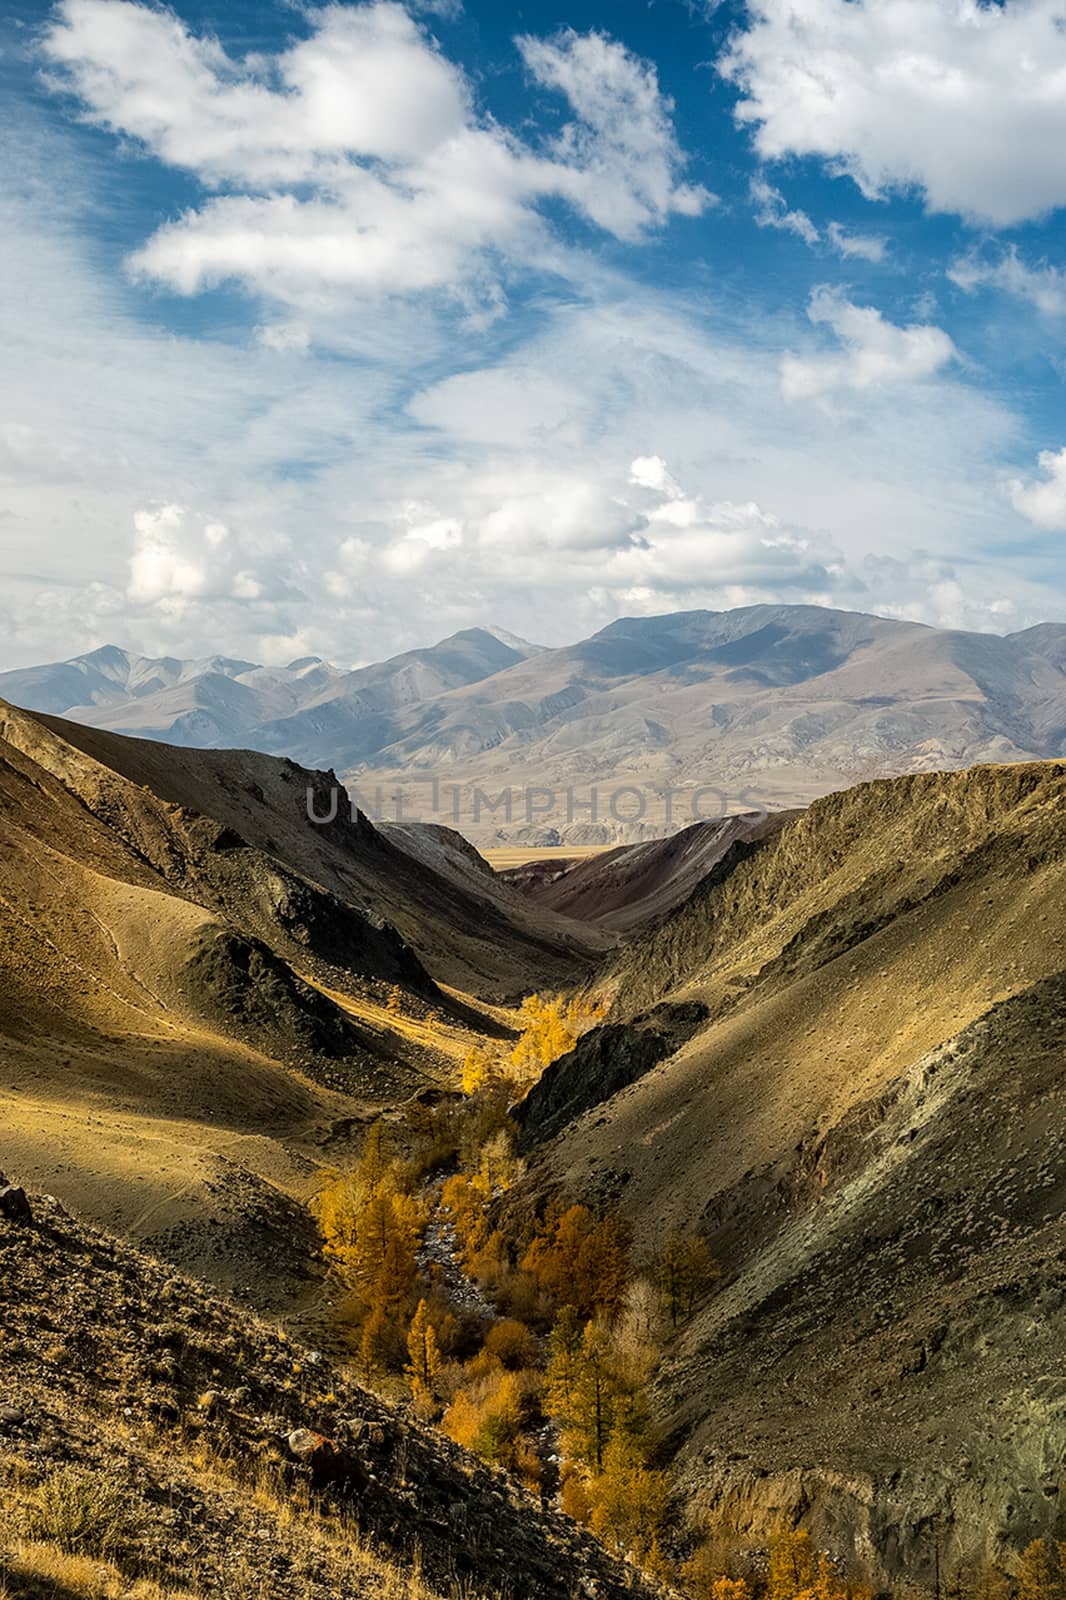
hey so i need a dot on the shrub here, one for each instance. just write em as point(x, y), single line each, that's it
point(82, 1513)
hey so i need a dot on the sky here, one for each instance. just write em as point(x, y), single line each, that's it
point(334, 329)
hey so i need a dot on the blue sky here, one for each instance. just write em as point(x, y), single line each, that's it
point(333, 329)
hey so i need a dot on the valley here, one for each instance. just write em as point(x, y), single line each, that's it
point(771, 1110)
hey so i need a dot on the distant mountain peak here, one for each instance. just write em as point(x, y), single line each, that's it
point(515, 641)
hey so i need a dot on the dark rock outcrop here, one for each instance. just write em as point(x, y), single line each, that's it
point(607, 1059)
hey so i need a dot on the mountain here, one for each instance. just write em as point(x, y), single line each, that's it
point(840, 1059)
point(307, 708)
point(155, 1440)
point(767, 706)
point(195, 986)
point(363, 711)
point(633, 884)
point(832, 1048)
point(209, 702)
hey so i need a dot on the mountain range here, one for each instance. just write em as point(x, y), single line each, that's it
point(765, 706)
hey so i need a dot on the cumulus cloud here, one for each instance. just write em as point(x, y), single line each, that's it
point(609, 528)
point(856, 246)
point(1042, 286)
point(876, 353)
point(180, 558)
point(1044, 503)
point(354, 162)
point(959, 100)
point(772, 211)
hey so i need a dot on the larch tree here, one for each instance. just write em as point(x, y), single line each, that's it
point(424, 1358)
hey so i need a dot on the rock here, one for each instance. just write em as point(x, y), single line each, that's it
point(303, 1443)
point(11, 1417)
point(328, 1462)
point(14, 1204)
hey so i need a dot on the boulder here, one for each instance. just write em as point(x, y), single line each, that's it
point(14, 1204)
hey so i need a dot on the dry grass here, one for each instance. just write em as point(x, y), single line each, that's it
point(80, 1534)
point(442, 1035)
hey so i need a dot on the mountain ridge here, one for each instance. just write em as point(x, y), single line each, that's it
point(864, 1121)
point(772, 705)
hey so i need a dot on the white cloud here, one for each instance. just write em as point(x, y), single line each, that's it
point(860, 246)
point(180, 558)
point(318, 473)
point(876, 353)
point(620, 156)
point(772, 211)
point(1043, 286)
point(1044, 503)
point(354, 162)
point(958, 99)
point(651, 472)
point(288, 338)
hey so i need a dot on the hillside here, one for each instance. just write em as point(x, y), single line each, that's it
point(155, 1441)
point(867, 1123)
point(196, 983)
point(766, 705)
point(634, 884)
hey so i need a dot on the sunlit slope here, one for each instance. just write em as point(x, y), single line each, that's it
point(870, 1130)
point(190, 1026)
point(470, 932)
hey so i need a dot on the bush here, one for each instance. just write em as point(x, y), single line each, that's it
point(82, 1513)
point(511, 1344)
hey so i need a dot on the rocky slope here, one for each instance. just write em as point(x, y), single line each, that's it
point(869, 1128)
point(154, 1440)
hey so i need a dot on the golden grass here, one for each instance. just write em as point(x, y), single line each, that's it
point(112, 1552)
point(446, 1037)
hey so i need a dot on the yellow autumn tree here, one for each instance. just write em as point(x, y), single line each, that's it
point(424, 1360)
point(550, 1028)
point(371, 1229)
point(793, 1566)
point(628, 1499)
point(1042, 1571)
point(481, 1069)
point(704, 1579)
point(582, 1261)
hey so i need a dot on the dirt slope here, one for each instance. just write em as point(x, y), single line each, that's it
point(870, 1129)
point(193, 1010)
point(210, 1434)
point(474, 939)
point(637, 883)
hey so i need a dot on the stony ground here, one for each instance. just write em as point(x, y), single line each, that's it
point(227, 1460)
